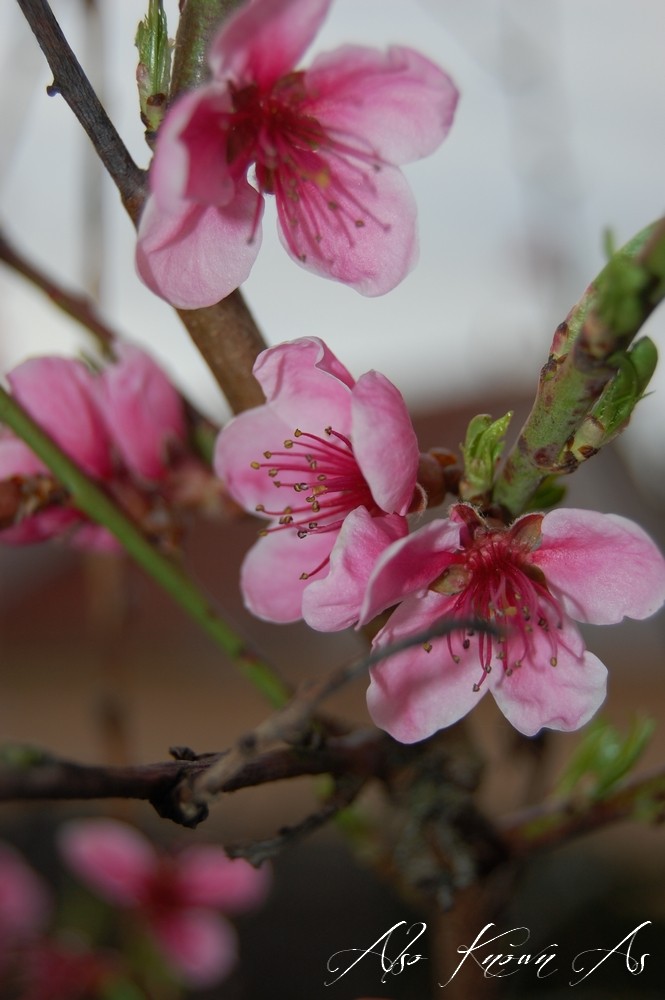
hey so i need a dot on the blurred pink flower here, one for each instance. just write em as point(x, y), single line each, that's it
point(119, 426)
point(174, 896)
point(54, 970)
point(325, 141)
point(25, 904)
point(530, 580)
point(346, 455)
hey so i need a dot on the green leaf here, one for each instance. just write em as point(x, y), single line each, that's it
point(153, 73)
point(481, 451)
point(549, 494)
point(618, 291)
point(604, 757)
point(611, 413)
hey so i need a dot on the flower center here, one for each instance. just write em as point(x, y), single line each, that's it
point(326, 477)
point(493, 582)
point(295, 159)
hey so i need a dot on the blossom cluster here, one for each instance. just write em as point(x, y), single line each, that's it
point(332, 464)
point(124, 426)
point(175, 901)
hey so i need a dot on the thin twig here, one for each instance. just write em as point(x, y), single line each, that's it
point(70, 81)
point(549, 825)
point(79, 307)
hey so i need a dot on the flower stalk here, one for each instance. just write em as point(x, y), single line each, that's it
point(581, 363)
point(94, 502)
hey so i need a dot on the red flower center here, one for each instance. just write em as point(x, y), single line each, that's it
point(295, 156)
point(325, 475)
point(494, 581)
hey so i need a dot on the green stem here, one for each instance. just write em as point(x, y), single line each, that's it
point(91, 500)
point(580, 365)
point(548, 826)
point(198, 22)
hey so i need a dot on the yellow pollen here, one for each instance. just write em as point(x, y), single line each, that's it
point(255, 465)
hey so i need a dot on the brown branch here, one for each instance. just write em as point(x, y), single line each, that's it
point(79, 307)
point(70, 81)
point(227, 336)
point(29, 774)
point(550, 825)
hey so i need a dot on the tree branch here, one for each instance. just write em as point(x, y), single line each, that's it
point(550, 825)
point(70, 81)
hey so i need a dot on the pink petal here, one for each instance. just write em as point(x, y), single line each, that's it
point(16, 459)
point(59, 394)
point(398, 102)
point(409, 566)
point(41, 527)
point(334, 602)
point(112, 858)
point(384, 442)
point(144, 412)
point(25, 904)
point(415, 693)
point(199, 945)
point(538, 695)
point(359, 227)
point(605, 566)
point(265, 39)
point(210, 878)
point(198, 255)
point(270, 575)
point(243, 441)
point(307, 385)
point(190, 161)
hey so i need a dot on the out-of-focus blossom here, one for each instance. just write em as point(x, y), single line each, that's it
point(332, 464)
point(325, 141)
point(25, 904)
point(530, 580)
point(124, 426)
point(175, 897)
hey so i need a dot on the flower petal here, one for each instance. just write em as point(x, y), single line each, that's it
point(357, 226)
point(270, 575)
point(265, 39)
point(306, 385)
point(243, 441)
point(199, 254)
point(112, 858)
point(210, 878)
point(538, 695)
point(384, 442)
point(415, 693)
point(25, 904)
point(397, 101)
point(144, 413)
point(409, 566)
point(604, 566)
point(334, 602)
point(190, 160)
point(199, 945)
point(60, 395)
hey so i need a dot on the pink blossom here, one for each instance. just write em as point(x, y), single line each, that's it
point(331, 463)
point(119, 426)
point(174, 896)
point(326, 142)
point(25, 905)
point(531, 580)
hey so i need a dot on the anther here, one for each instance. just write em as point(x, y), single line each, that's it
point(255, 465)
point(259, 508)
point(427, 646)
point(466, 644)
point(476, 688)
point(267, 454)
point(553, 661)
point(288, 443)
point(297, 432)
point(456, 658)
point(304, 576)
point(272, 473)
point(300, 487)
point(303, 533)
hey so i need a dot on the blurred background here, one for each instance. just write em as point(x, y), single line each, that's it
point(559, 136)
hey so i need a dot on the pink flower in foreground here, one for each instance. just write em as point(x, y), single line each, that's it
point(530, 580)
point(119, 426)
point(175, 897)
point(325, 141)
point(332, 464)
